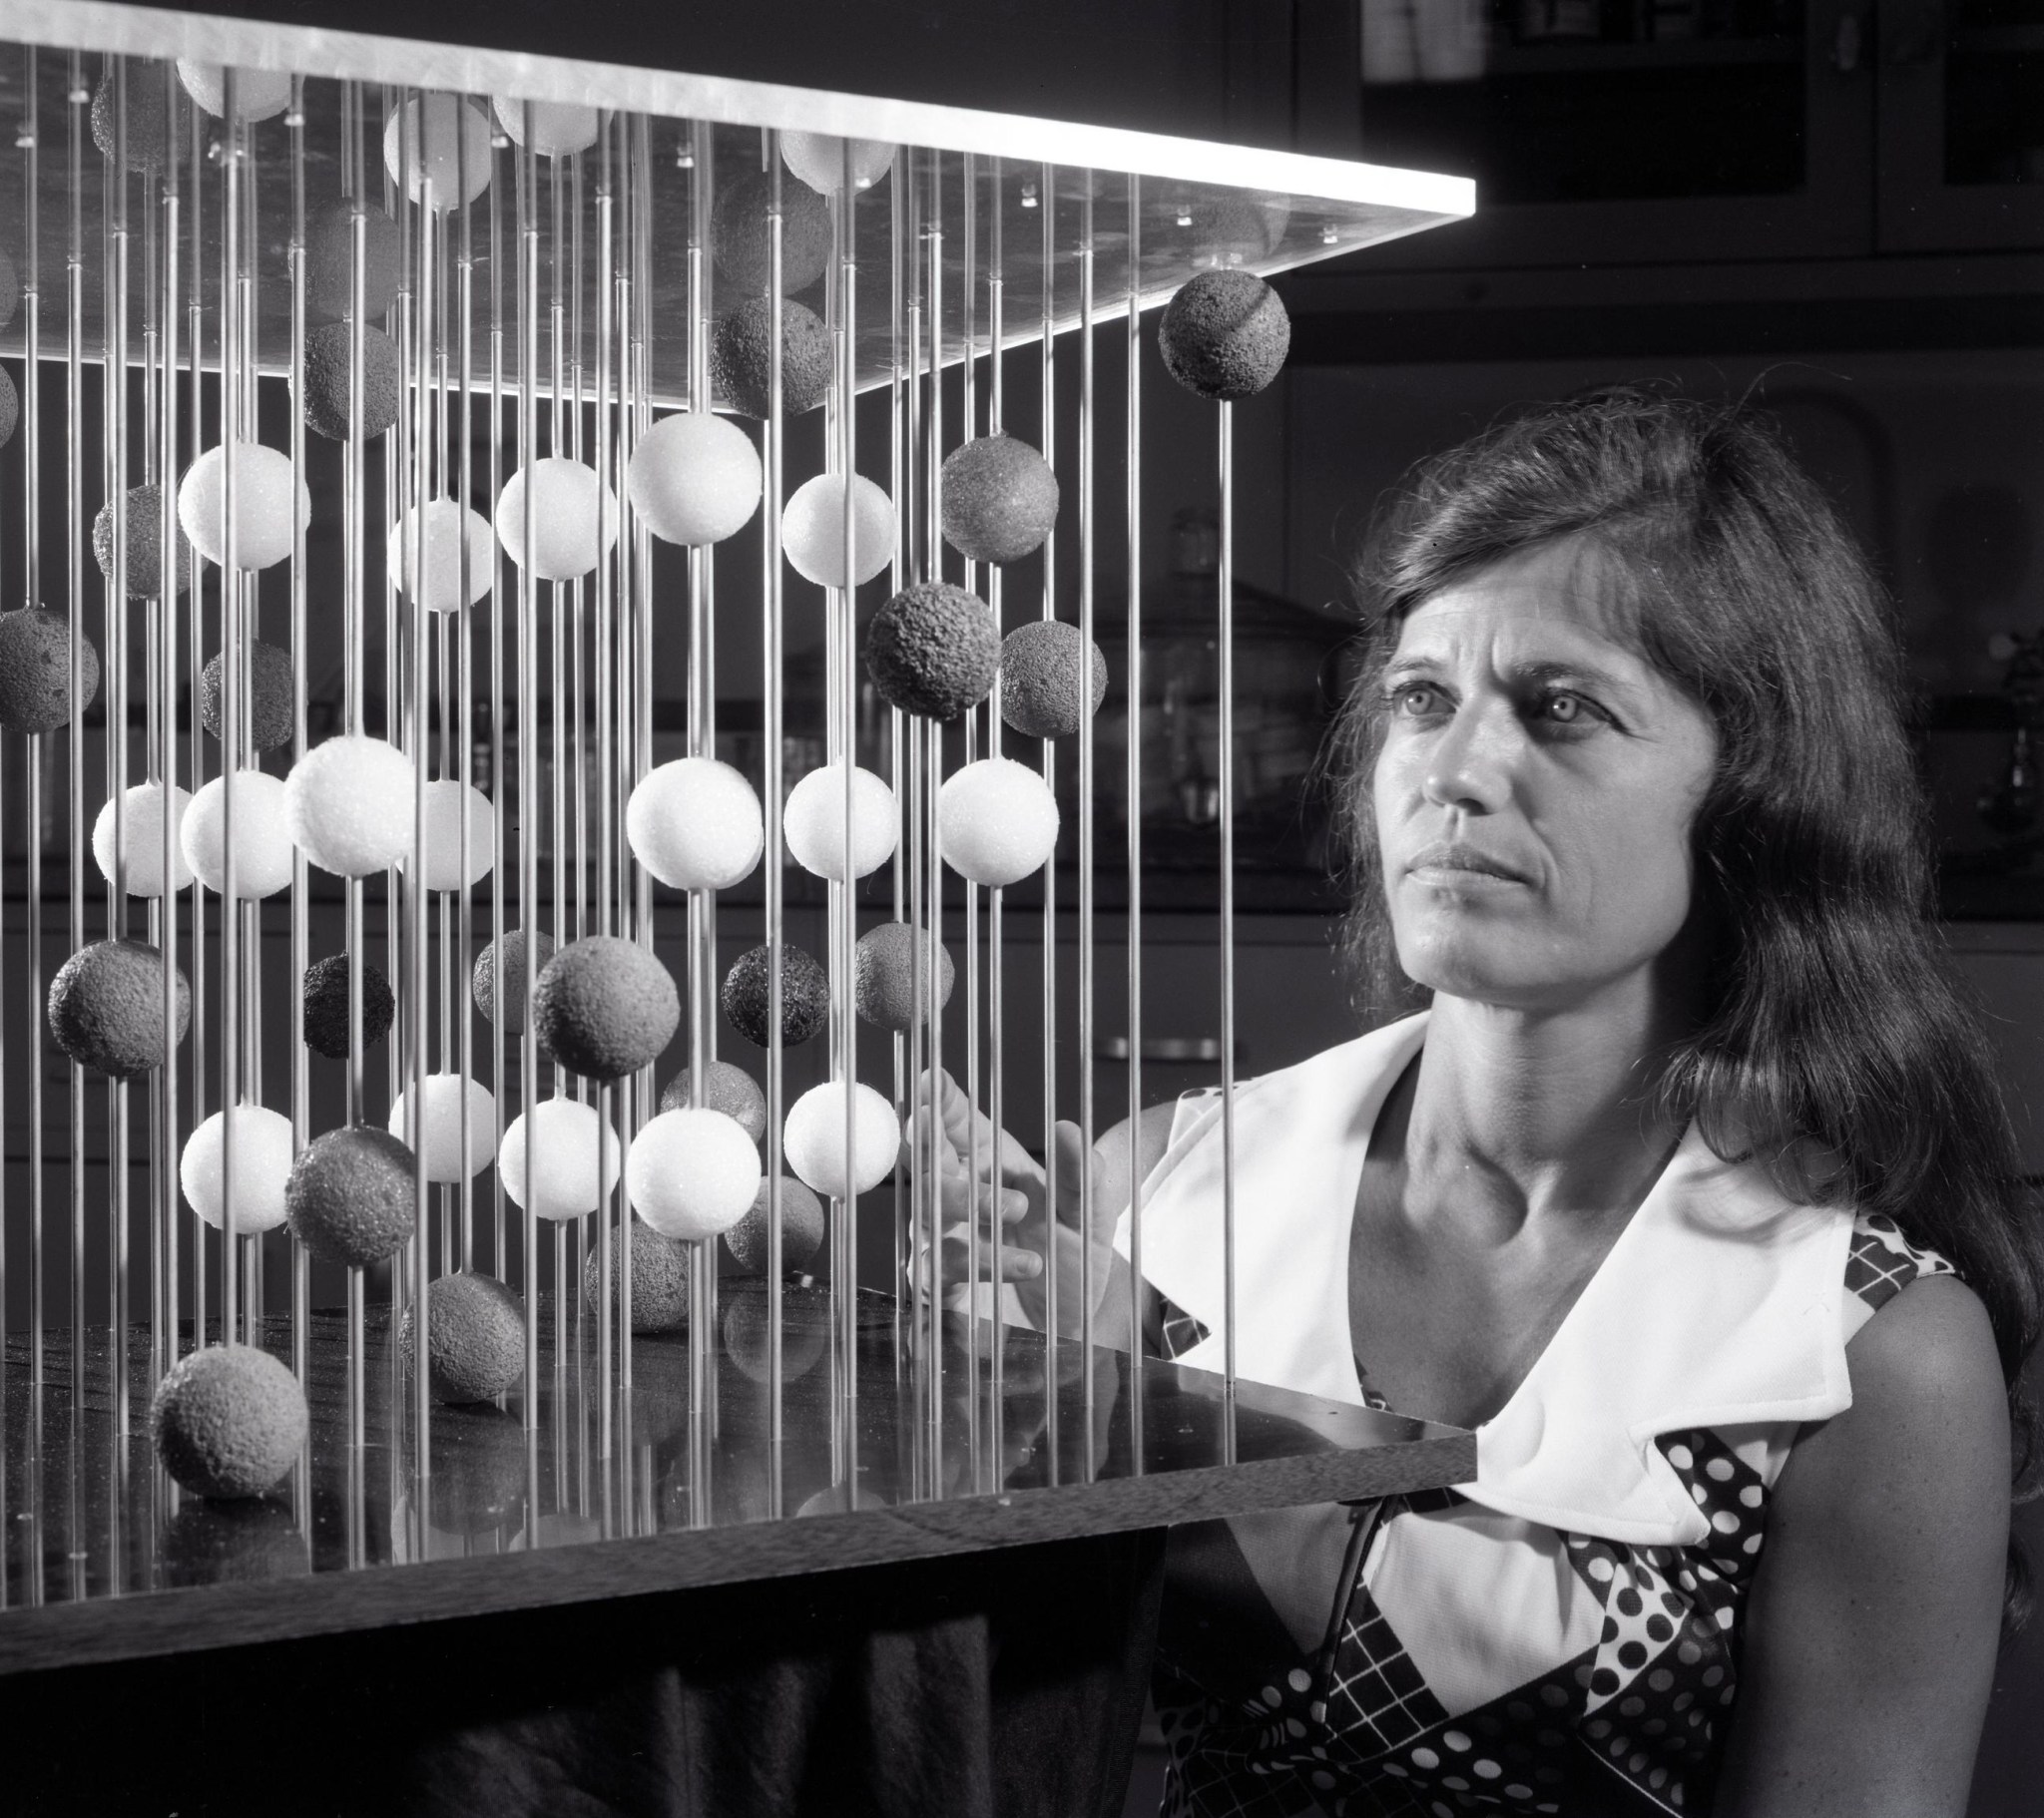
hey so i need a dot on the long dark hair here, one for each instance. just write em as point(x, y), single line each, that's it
point(1836, 1027)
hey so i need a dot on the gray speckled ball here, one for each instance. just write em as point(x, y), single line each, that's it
point(932, 649)
point(738, 232)
point(605, 1007)
point(1000, 498)
point(476, 1338)
point(228, 1421)
point(727, 1088)
point(741, 358)
point(35, 670)
point(143, 515)
point(269, 719)
point(107, 1007)
point(883, 976)
point(349, 1195)
point(326, 381)
point(510, 1013)
point(1040, 669)
point(660, 1282)
point(1224, 335)
point(326, 988)
point(10, 405)
point(329, 238)
point(147, 111)
point(804, 995)
point(802, 1224)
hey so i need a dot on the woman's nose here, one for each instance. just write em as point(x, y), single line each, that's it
point(1469, 765)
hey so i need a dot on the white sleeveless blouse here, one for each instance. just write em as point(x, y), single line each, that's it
point(1561, 1634)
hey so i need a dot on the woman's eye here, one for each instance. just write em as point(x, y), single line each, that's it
point(1563, 708)
point(1414, 700)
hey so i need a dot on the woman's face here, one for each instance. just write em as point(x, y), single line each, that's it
point(1535, 791)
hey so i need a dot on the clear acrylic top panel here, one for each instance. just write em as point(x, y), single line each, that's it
point(1066, 216)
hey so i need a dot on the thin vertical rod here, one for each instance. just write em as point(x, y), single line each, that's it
point(1134, 697)
point(772, 640)
point(1047, 204)
point(1226, 581)
point(1087, 558)
point(301, 1097)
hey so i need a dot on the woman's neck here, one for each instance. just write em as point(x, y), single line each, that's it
point(1519, 1114)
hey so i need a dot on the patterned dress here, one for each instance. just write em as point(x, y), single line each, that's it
point(1561, 1635)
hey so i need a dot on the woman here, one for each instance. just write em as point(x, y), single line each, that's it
point(1693, 1192)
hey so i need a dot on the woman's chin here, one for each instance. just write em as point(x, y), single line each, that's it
point(1466, 963)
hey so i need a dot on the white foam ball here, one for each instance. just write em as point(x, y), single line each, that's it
point(440, 532)
point(143, 809)
point(258, 94)
point(818, 158)
point(439, 1137)
point(813, 530)
point(696, 824)
point(264, 490)
point(695, 478)
point(431, 138)
point(348, 805)
point(263, 841)
point(692, 1174)
point(444, 835)
point(570, 507)
point(263, 1165)
point(559, 128)
point(564, 1180)
point(813, 822)
point(996, 821)
point(814, 1139)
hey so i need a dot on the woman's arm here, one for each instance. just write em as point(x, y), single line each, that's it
point(1871, 1634)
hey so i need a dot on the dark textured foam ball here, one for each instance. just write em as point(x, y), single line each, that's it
point(476, 1338)
point(326, 381)
point(605, 1007)
point(738, 234)
point(35, 670)
point(883, 977)
point(228, 1421)
point(1000, 498)
point(141, 516)
point(727, 1088)
point(1041, 665)
point(1224, 335)
point(510, 1013)
point(329, 238)
point(147, 116)
point(660, 1282)
point(10, 406)
point(349, 1195)
point(327, 1028)
point(933, 650)
point(107, 1008)
point(741, 358)
point(801, 1229)
point(269, 719)
point(804, 995)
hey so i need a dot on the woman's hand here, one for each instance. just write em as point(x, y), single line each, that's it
point(1041, 1241)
